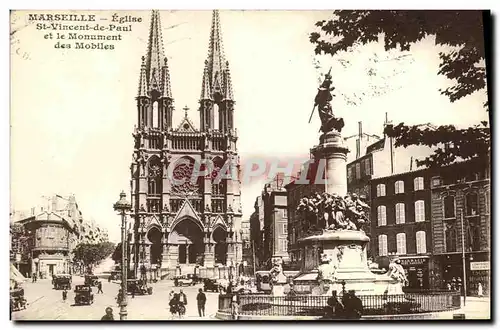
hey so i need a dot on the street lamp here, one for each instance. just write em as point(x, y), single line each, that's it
point(122, 206)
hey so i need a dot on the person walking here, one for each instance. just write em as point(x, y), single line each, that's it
point(182, 297)
point(109, 315)
point(99, 287)
point(479, 289)
point(201, 299)
point(171, 295)
point(65, 295)
point(234, 308)
point(334, 308)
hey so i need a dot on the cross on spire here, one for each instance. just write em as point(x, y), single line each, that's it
point(186, 109)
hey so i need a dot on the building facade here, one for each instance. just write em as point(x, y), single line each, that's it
point(179, 224)
point(461, 213)
point(257, 235)
point(401, 224)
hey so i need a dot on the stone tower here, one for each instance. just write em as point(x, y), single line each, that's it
point(195, 226)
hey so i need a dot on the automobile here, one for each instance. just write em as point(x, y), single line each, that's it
point(182, 280)
point(91, 280)
point(196, 279)
point(263, 281)
point(62, 281)
point(17, 300)
point(245, 287)
point(83, 295)
point(210, 284)
point(138, 287)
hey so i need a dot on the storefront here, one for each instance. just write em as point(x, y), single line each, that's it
point(417, 271)
point(477, 266)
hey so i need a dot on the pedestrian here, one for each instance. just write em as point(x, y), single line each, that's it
point(64, 295)
point(448, 286)
point(109, 315)
point(353, 306)
point(174, 304)
point(479, 289)
point(234, 308)
point(109, 278)
point(99, 287)
point(201, 299)
point(183, 298)
point(334, 308)
point(171, 295)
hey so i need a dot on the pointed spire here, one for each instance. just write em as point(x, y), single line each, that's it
point(216, 69)
point(157, 74)
point(229, 84)
point(205, 86)
point(155, 51)
point(143, 86)
point(167, 88)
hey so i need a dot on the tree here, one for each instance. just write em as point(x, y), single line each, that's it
point(91, 254)
point(462, 64)
point(117, 254)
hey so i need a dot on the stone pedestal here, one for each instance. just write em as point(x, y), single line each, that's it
point(333, 153)
point(347, 250)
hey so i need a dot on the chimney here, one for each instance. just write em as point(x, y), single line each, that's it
point(358, 141)
point(54, 203)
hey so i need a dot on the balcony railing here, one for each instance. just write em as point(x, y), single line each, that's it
point(308, 305)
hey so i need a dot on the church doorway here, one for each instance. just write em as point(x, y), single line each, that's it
point(220, 250)
point(154, 236)
point(189, 237)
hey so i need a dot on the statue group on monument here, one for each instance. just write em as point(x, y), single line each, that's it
point(334, 212)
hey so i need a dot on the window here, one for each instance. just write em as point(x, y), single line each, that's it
point(382, 245)
point(399, 187)
point(419, 211)
point(380, 190)
point(285, 228)
point(155, 115)
point(471, 204)
point(358, 171)
point(418, 183)
point(283, 245)
point(349, 173)
point(381, 215)
point(285, 215)
point(450, 234)
point(401, 243)
point(400, 213)
point(367, 167)
point(421, 243)
point(449, 207)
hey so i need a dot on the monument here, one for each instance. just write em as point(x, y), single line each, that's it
point(335, 245)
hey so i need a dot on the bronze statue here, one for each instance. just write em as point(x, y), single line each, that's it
point(322, 100)
point(333, 212)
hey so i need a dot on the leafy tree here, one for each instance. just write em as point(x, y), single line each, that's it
point(91, 254)
point(461, 30)
point(117, 254)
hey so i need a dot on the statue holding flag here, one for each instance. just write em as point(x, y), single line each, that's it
point(322, 100)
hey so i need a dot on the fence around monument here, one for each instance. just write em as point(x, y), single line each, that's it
point(308, 305)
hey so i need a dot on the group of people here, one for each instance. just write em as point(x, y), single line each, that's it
point(335, 212)
point(349, 307)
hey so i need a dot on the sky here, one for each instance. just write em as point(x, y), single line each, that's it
point(73, 111)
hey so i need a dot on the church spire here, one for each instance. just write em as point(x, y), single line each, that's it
point(155, 102)
point(216, 101)
point(216, 67)
point(157, 74)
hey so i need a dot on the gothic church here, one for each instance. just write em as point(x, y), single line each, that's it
point(194, 227)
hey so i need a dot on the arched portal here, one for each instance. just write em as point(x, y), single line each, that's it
point(219, 236)
point(188, 235)
point(154, 236)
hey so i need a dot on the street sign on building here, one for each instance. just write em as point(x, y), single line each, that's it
point(480, 265)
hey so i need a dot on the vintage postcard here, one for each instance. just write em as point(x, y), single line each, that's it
point(250, 165)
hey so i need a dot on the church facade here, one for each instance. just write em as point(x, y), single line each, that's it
point(180, 225)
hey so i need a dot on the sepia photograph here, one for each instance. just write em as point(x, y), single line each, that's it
point(250, 165)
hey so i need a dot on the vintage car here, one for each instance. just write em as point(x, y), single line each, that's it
point(62, 281)
point(91, 280)
point(17, 300)
point(196, 279)
point(245, 286)
point(181, 280)
point(139, 287)
point(214, 284)
point(83, 295)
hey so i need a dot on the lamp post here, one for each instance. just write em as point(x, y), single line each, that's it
point(122, 206)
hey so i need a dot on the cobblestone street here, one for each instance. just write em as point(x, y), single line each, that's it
point(45, 303)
